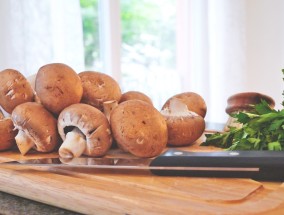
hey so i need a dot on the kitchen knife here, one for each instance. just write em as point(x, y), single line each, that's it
point(259, 165)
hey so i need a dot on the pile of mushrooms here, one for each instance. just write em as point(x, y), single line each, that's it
point(85, 114)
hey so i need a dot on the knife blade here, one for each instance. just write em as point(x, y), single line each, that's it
point(259, 165)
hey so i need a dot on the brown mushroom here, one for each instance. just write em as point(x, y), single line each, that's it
point(37, 128)
point(184, 126)
point(85, 130)
point(130, 95)
point(99, 88)
point(139, 128)
point(7, 134)
point(14, 89)
point(193, 101)
point(244, 102)
point(58, 86)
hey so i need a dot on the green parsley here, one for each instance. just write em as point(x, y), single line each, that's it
point(262, 129)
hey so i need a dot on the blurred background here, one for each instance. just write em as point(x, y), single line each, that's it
point(215, 48)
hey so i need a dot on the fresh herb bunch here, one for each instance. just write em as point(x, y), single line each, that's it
point(262, 129)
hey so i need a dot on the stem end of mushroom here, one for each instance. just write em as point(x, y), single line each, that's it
point(74, 145)
point(24, 143)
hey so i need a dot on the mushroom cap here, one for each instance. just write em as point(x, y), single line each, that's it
point(139, 128)
point(193, 101)
point(99, 88)
point(184, 130)
point(7, 134)
point(14, 89)
point(244, 101)
point(91, 122)
point(130, 95)
point(58, 86)
point(38, 124)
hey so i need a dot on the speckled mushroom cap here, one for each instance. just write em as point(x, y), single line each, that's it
point(7, 134)
point(91, 122)
point(58, 86)
point(99, 88)
point(193, 101)
point(139, 128)
point(130, 95)
point(14, 89)
point(38, 124)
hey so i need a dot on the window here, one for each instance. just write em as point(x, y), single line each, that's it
point(146, 49)
point(89, 10)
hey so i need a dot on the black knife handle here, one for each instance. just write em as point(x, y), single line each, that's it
point(258, 165)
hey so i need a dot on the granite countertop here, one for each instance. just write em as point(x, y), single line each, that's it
point(14, 205)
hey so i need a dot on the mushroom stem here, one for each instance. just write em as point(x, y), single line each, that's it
point(108, 106)
point(24, 142)
point(74, 145)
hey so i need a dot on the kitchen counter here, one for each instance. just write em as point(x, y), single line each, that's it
point(14, 205)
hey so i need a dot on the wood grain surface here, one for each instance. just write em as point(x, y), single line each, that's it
point(92, 191)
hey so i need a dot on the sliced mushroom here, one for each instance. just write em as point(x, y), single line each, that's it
point(58, 86)
point(85, 130)
point(99, 88)
point(139, 128)
point(184, 126)
point(130, 95)
point(37, 128)
point(193, 101)
point(7, 134)
point(14, 89)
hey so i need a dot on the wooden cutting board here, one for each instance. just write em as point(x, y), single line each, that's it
point(138, 192)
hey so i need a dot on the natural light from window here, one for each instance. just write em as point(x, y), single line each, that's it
point(148, 46)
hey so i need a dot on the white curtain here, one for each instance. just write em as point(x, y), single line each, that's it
point(34, 33)
point(227, 47)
